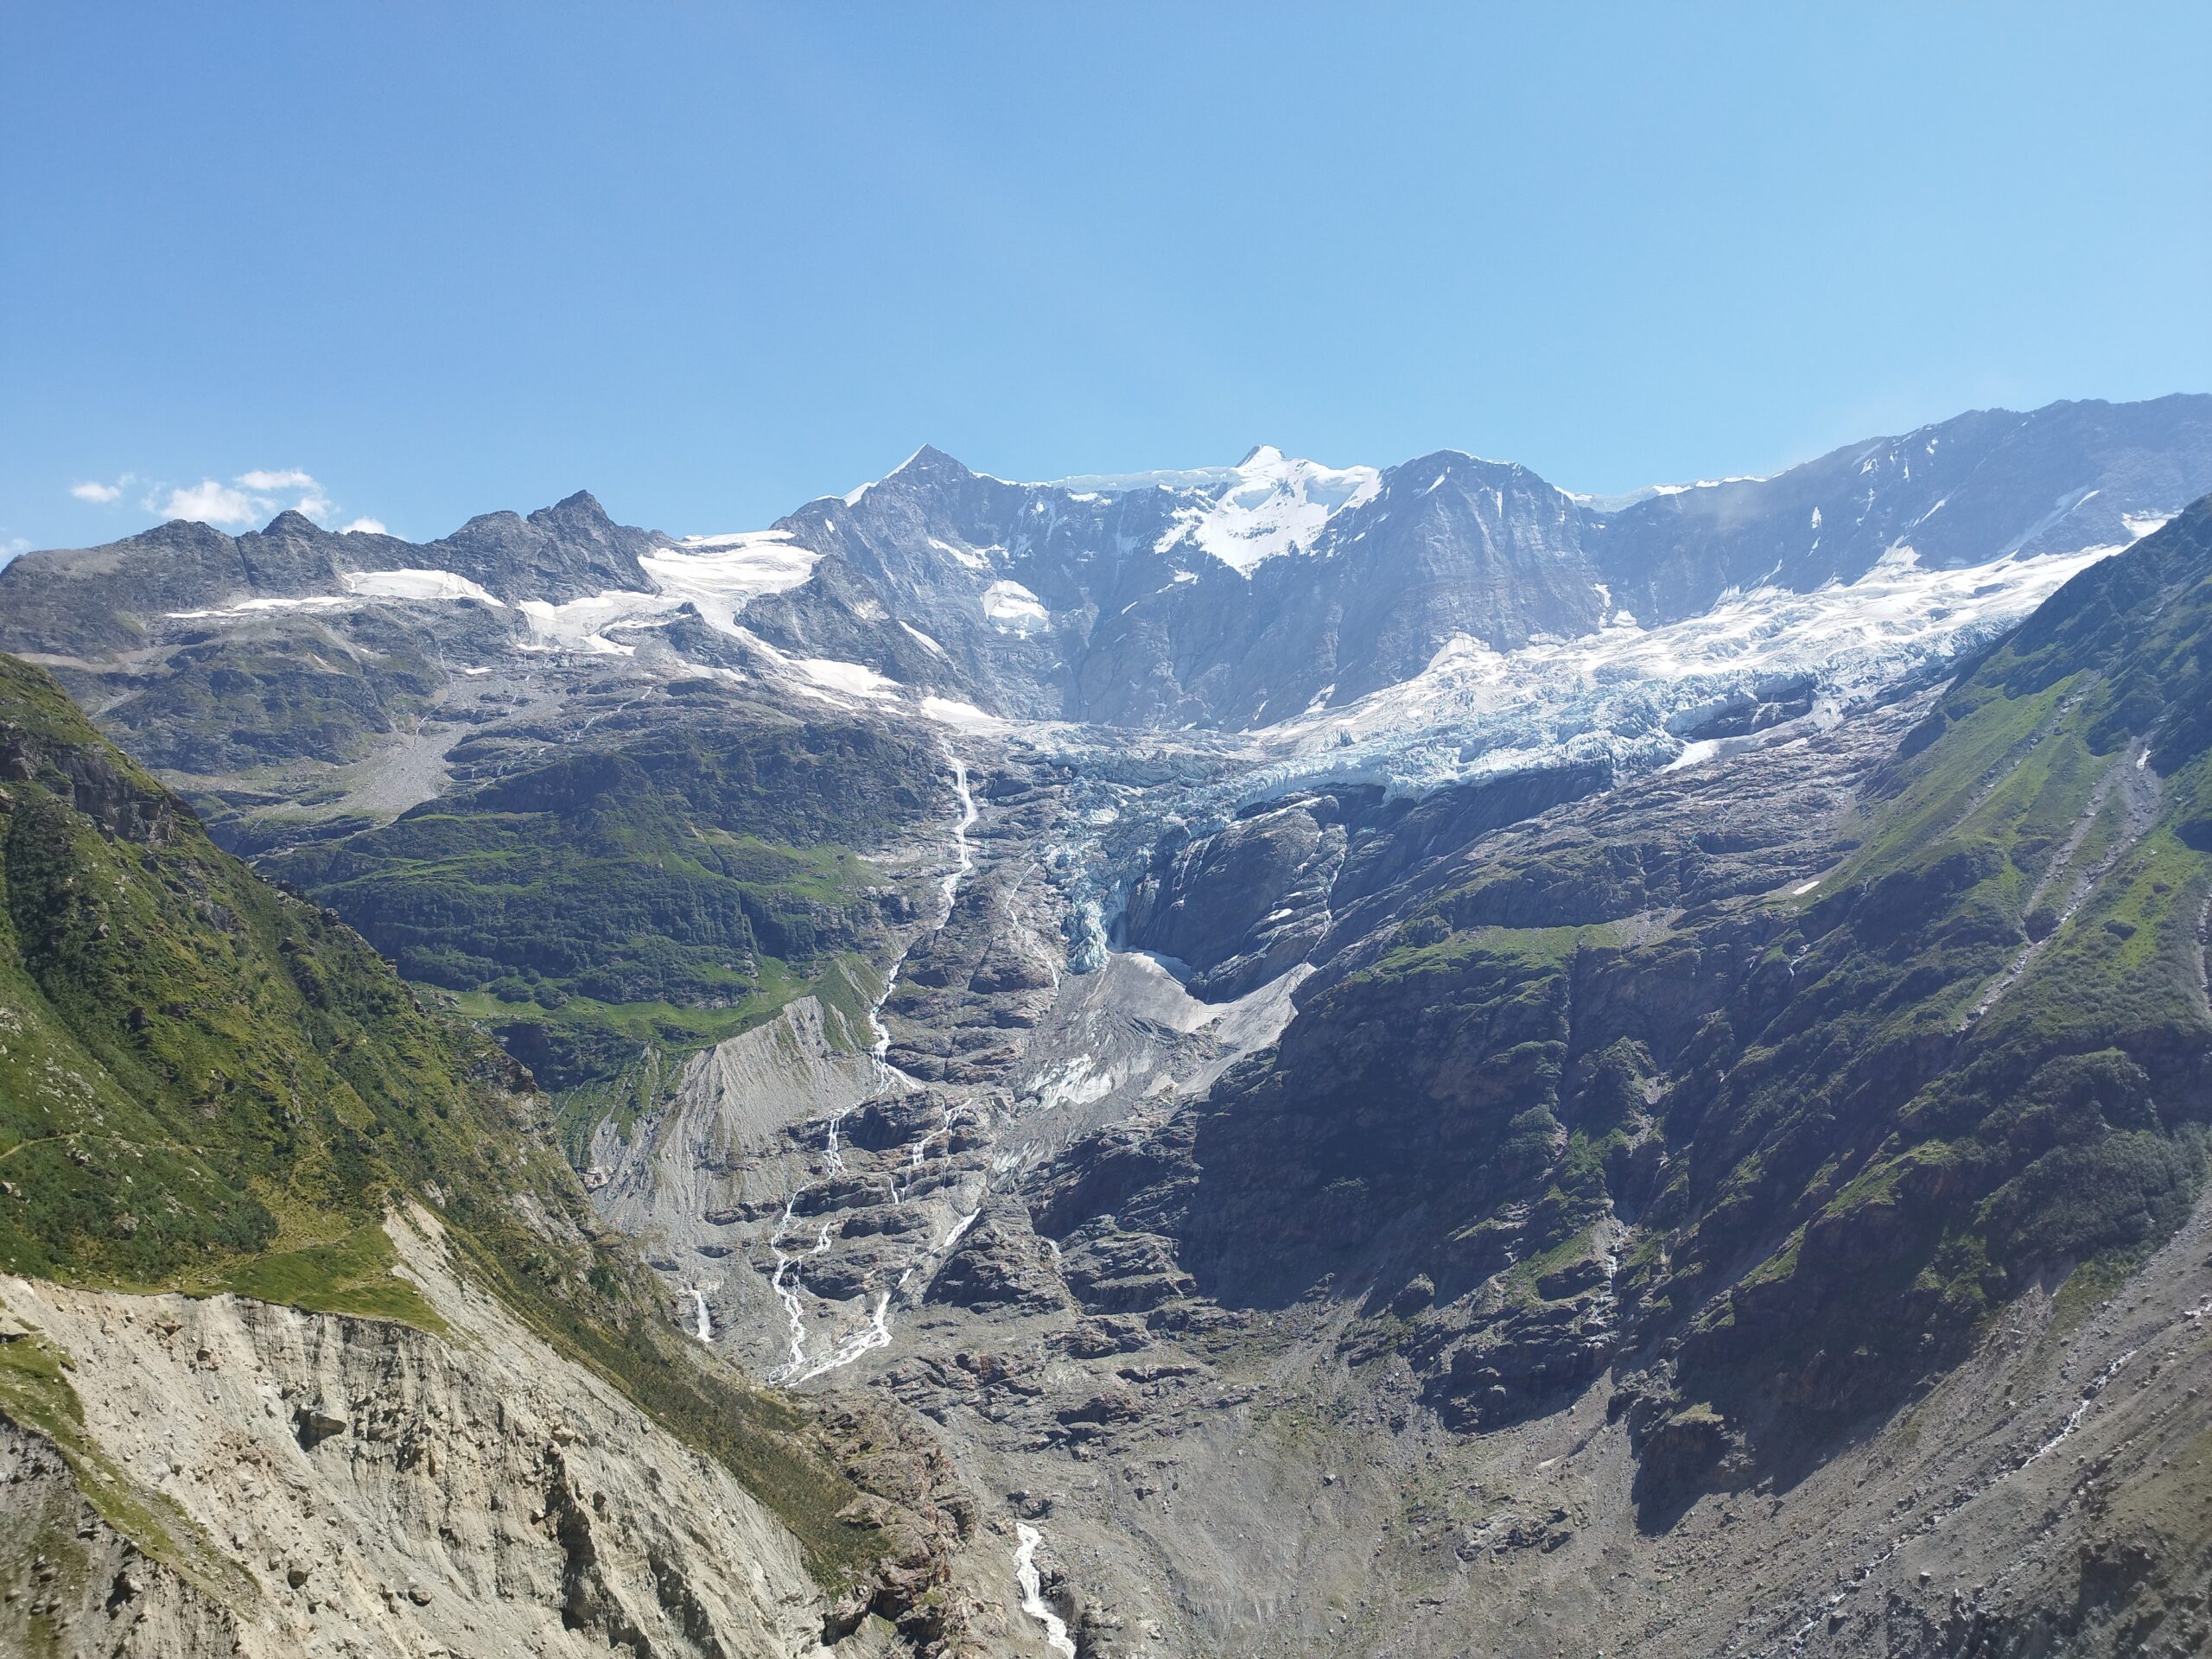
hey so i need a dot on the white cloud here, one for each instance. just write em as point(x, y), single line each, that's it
point(210, 503)
point(251, 498)
point(312, 499)
point(366, 527)
point(93, 490)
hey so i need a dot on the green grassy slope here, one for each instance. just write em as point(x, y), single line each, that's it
point(1997, 1060)
point(206, 1084)
point(671, 891)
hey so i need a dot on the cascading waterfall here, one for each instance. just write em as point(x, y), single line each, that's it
point(1032, 1590)
point(877, 1332)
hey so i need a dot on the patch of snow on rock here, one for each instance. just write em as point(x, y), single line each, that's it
point(1013, 608)
point(415, 584)
point(855, 679)
point(719, 574)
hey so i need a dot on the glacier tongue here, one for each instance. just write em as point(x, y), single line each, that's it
point(1627, 693)
point(1627, 699)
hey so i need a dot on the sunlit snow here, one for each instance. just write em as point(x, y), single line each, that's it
point(1620, 694)
point(415, 584)
point(1012, 606)
point(1275, 505)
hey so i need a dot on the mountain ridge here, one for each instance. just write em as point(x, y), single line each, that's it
point(1120, 613)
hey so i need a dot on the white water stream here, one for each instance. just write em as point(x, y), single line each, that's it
point(2091, 1393)
point(964, 866)
point(876, 1333)
point(1032, 1590)
point(2074, 1417)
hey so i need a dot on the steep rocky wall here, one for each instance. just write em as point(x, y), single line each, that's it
point(382, 1489)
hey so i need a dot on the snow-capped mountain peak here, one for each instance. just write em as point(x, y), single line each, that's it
point(1272, 504)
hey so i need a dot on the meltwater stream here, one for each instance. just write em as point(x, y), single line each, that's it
point(1032, 1590)
point(964, 866)
point(876, 1333)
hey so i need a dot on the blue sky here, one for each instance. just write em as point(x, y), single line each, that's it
point(711, 261)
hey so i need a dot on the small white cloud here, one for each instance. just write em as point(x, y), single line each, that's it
point(93, 490)
point(292, 479)
point(209, 503)
point(251, 497)
point(365, 527)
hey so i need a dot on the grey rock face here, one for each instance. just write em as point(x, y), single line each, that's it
point(1242, 906)
point(87, 602)
point(1137, 624)
point(565, 551)
point(1971, 489)
point(1126, 604)
point(839, 613)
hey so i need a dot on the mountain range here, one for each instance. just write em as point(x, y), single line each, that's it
point(1267, 1059)
point(1233, 598)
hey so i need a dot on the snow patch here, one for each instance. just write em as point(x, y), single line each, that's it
point(961, 717)
point(855, 679)
point(1012, 608)
point(923, 640)
point(718, 573)
point(258, 606)
point(416, 584)
point(974, 558)
point(579, 624)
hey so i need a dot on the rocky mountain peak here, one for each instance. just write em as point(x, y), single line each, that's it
point(929, 460)
point(292, 522)
point(579, 512)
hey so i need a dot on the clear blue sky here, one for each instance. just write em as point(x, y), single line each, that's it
point(711, 261)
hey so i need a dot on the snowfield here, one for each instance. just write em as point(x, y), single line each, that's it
point(1013, 608)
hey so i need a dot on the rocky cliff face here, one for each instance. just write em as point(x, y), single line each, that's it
point(1985, 485)
point(1236, 597)
point(325, 1482)
point(1636, 1175)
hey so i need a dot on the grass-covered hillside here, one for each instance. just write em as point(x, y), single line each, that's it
point(668, 890)
point(1995, 1062)
point(205, 1085)
point(196, 1071)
